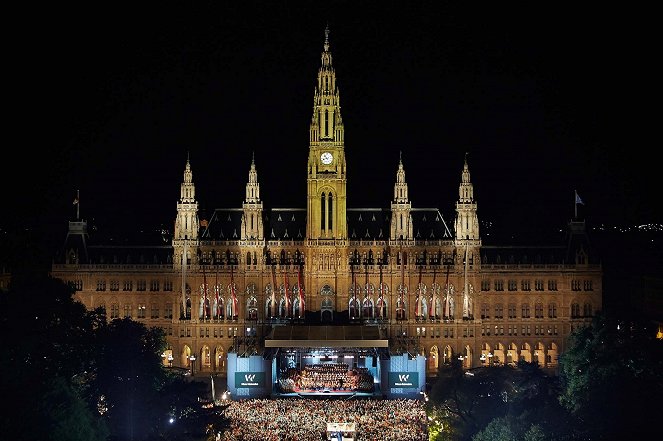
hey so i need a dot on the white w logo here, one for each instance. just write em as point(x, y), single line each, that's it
point(248, 377)
point(403, 377)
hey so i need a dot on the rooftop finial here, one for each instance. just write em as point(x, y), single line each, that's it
point(400, 155)
point(253, 157)
point(327, 38)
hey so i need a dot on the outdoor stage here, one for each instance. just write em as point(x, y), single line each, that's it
point(326, 361)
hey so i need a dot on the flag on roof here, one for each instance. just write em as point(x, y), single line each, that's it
point(578, 200)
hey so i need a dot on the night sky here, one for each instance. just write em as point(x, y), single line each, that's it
point(544, 101)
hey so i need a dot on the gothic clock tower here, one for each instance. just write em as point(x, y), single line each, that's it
point(327, 181)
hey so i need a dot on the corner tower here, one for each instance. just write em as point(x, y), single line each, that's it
point(252, 227)
point(467, 222)
point(401, 220)
point(326, 182)
point(186, 223)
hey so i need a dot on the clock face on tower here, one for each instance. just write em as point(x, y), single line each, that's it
point(326, 158)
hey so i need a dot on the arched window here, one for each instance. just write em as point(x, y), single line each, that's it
point(400, 309)
point(353, 308)
point(252, 308)
point(220, 311)
point(367, 310)
point(383, 295)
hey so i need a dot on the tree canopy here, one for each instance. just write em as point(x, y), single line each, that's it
point(612, 377)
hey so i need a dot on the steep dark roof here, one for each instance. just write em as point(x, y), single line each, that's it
point(225, 224)
point(368, 224)
point(285, 224)
point(429, 224)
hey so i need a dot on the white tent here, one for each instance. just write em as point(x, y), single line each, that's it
point(346, 431)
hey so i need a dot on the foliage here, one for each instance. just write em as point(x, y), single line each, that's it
point(496, 402)
point(612, 376)
point(59, 360)
point(130, 376)
point(45, 362)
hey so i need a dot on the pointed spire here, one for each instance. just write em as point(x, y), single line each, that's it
point(186, 224)
point(326, 122)
point(401, 221)
point(326, 46)
point(400, 182)
point(252, 227)
point(467, 223)
point(253, 182)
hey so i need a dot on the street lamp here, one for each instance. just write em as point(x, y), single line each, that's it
point(192, 359)
point(170, 360)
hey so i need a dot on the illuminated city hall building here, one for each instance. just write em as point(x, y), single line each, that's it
point(327, 281)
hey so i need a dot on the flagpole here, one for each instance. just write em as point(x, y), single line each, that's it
point(273, 309)
point(216, 292)
point(204, 293)
point(575, 205)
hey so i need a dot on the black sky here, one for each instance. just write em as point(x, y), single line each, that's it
point(545, 100)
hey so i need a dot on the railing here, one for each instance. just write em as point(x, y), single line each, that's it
point(113, 266)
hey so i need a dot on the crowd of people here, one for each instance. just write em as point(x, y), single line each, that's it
point(327, 377)
point(299, 419)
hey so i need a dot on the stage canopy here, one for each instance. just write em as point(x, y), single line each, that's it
point(326, 337)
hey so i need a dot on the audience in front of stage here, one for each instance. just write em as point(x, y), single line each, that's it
point(327, 377)
point(290, 419)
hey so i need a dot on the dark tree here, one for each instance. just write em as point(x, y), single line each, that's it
point(48, 342)
point(612, 377)
point(130, 377)
point(500, 402)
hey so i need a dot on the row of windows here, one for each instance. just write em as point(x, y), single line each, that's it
point(524, 330)
point(525, 311)
point(154, 312)
point(141, 311)
point(539, 284)
point(141, 285)
point(127, 285)
point(581, 285)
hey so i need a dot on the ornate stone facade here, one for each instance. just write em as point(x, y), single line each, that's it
point(223, 283)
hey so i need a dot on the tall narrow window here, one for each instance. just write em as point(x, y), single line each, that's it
point(329, 206)
point(326, 121)
point(322, 212)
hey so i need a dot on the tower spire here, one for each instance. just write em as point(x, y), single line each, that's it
point(252, 226)
point(467, 222)
point(326, 123)
point(326, 45)
point(327, 181)
point(401, 220)
point(186, 224)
